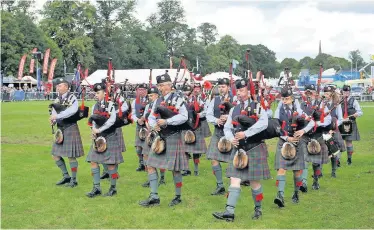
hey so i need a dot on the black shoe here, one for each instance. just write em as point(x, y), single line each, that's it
point(338, 163)
point(186, 173)
point(315, 185)
point(279, 200)
point(104, 176)
point(146, 184)
point(112, 191)
point(73, 183)
point(196, 173)
point(295, 197)
point(162, 181)
point(257, 214)
point(349, 161)
point(189, 156)
point(219, 191)
point(229, 217)
point(140, 168)
point(150, 202)
point(304, 188)
point(245, 183)
point(177, 200)
point(64, 180)
point(333, 175)
point(95, 192)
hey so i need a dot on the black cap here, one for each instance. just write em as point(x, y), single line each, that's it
point(163, 78)
point(241, 83)
point(99, 86)
point(153, 90)
point(286, 92)
point(346, 88)
point(223, 81)
point(61, 80)
point(310, 87)
point(143, 86)
point(187, 88)
point(328, 88)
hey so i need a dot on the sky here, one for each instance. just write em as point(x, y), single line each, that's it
point(290, 28)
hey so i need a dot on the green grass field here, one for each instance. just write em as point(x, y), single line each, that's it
point(31, 200)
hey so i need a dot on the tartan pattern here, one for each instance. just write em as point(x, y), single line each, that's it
point(199, 146)
point(355, 136)
point(72, 145)
point(138, 142)
point(339, 139)
point(296, 164)
point(112, 155)
point(146, 148)
point(174, 158)
point(205, 129)
point(213, 153)
point(320, 158)
point(121, 139)
point(258, 168)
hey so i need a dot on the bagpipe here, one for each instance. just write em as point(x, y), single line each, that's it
point(194, 122)
point(346, 128)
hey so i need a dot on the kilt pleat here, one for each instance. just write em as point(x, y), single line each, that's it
point(296, 164)
point(205, 129)
point(355, 135)
point(258, 168)
point(213, 153)
point(173, 158)
point(138, 142)
point(146, 148)
point(321, 158)
point(339, 139)
point(112, 155)
point(72, 144)
point(199, 146)
point(121, 139)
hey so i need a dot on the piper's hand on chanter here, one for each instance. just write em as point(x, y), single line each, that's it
point(299, 133)
point(220, 122)
point(293, 140)
point(161, 122)
point(141, 121)
point(239, 135)
point(52, 119)
point(235, 142)
point(223, 118)
point(157, 128)
point(95, 131)
point(355, 115)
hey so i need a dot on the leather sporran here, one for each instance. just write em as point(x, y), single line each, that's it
point(100, 144)
point(189, 137)
point(240, 160)
point(224, 145)
point(346, 128)
point(142, 134)
point(288, 151)
point(150, 138)
point(314, 148)
point(59, 137)
point(158, 145)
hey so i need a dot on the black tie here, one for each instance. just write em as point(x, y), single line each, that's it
point(288, 111)
point(242, 105)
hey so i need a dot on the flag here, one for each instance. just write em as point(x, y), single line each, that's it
point(45, 61)
point(64, 67)
point(77, 74)
point(234, 63)
point(86, 73)
point(52, 70)
point(32, 62)
point(21, 66)
point(38, 77)
point(171, 62)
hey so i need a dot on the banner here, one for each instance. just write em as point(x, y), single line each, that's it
point(372, 71)
point(45, 61)
point(171, 62)
point(21, 66)
point(86, 73)
point(32, 62)
point(52, 69)
point(38, 78)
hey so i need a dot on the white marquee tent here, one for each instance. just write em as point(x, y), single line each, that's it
point(215, 76)
point(135, 76)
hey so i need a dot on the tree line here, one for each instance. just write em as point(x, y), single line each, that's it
point(78, 31)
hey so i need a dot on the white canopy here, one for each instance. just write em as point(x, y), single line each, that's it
point(135, 76)
point(215, 76)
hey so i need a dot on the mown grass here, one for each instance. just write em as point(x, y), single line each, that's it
point(31, 200)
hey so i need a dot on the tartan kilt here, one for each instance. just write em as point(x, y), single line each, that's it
point(138, 142)
point(339, 139)
point(72, 144)
point(121, 139)
point(296, 164)
point(173, 158)
point(258, 168)
point(321, 158)
point(355, 135)
point(146, 148)
point(213, 153)
point(205, 129)
point(199, 146)
point(112, 155)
